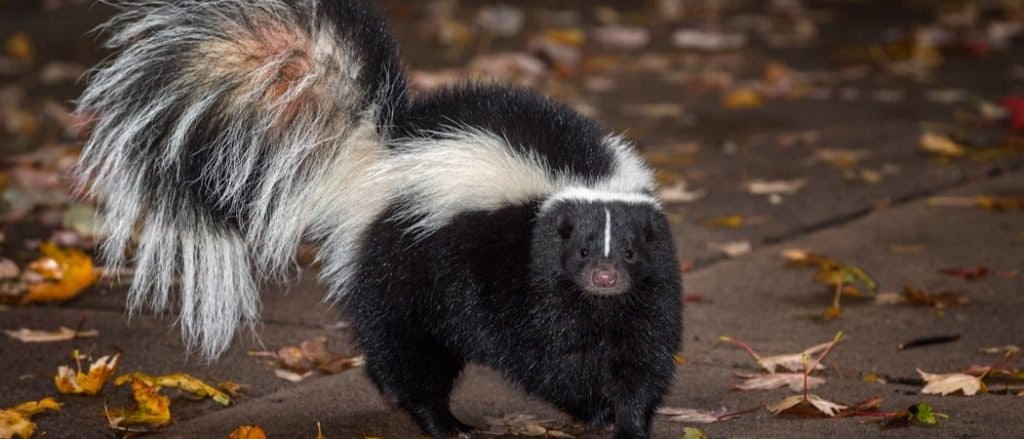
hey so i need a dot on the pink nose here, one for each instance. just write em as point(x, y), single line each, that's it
point(605, 278)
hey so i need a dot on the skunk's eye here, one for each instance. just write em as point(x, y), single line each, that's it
point(629, 255)
point(584, 253)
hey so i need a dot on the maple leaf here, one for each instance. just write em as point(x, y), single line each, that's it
point(66, 273)
point(151, 408)
point(181, 381)
point(78, 383)
point(296, 363)
point(809, 405)
point(63, 333)
point(17, 420)
point(248, 432)
point(945, 384)
point(791, 362)
point(767, 381)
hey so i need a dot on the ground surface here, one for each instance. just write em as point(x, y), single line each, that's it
point(885, 226)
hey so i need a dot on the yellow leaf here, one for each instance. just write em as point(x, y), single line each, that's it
point(181, 381)
point(693, 433)
point(725, 222)
point(248, 432)
point(742, 98)
point(17, 420)
point(19, 47)
point(570, 37)
point(68, 272)
point(79, 383)
point(152, 408)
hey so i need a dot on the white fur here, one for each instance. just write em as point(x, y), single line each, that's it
point(607, 232)
point(275, 128)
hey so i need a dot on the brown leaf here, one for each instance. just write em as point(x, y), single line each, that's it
point(17, 420)
point(969, 273)
point(676, 414)
point(811, 405)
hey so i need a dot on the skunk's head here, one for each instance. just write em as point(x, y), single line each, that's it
point(604, 244)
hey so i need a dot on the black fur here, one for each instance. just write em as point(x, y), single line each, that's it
point(500, 288)
point(528, 120)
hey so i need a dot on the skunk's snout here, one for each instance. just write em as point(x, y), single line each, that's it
point(604, 278)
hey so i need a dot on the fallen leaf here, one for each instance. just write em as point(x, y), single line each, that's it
point(792, 362)
point(869, 406)
point(693, 433)
point(969, 273)
point(623, 37)
point(941, 145)
point(995, 203)
point(742, 98)
point(501, 20)
point(768, 381)
point(181, 381)
point(841, 158)
point(732, 249)
point(8, 269)
point(66, 273)
point(20, 47)
point(731, 221)
point(945, 384)
point(776, 187)
point(232, 388)
point(76, 382)
point(938, 300)
point(525, 425)
point(248, 432)
point(810, 405)
point(17, 420)
point(151, 408)
point(676, 414)
point(678, 193)
point(1015, 105)
point(708, 41)
point(1009, 349)
point(63, 333)
point(299, 362)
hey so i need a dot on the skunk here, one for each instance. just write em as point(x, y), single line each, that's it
point(480, 223)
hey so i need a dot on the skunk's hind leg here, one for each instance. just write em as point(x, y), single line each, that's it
point(418, 375)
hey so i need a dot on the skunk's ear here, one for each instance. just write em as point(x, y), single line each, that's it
point(564, 225)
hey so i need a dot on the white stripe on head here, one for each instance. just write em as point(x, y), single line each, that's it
point(607, 232)
point(588, 195)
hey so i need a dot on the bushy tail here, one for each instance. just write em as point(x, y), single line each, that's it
point(226, 131)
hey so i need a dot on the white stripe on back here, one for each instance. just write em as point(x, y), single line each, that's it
point(607, 232)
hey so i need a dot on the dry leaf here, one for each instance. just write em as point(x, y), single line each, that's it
point(290, 376)
point(792, 362)
point(17, 420)
point(523, 425)
point(935, 299)
point(775, 187)
point(8, 269)
point(732, 249)
point(66, 273)
point(811, 405)
point(709, 41)
point(989, 202)
point(941, 145)
point(678, 193)
point(969, 273)
point(63, 333)
point(742, 98)
point(19, 47)
point(248, 432)
point(945, 384)
point(768, 381)
point(676, 414)
point(151, 409)
point(181, 381)
point(78, 383)
point(299, 362)
point(232, 388)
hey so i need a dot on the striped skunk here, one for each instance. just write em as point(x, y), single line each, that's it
point(480, 223)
